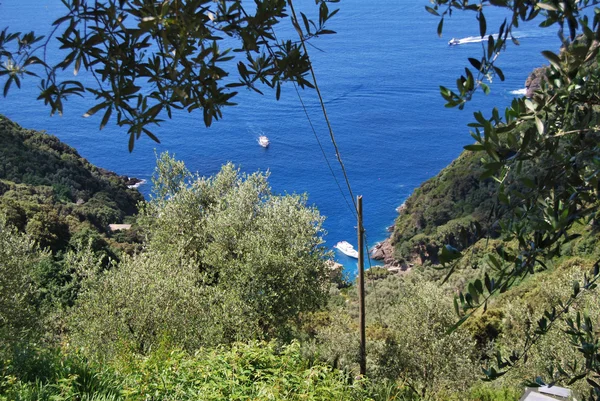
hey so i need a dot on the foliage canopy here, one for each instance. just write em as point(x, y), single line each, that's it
point(150, 58)
point(558, 126)
point(224, 260)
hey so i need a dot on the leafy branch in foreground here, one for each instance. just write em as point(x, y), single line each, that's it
point(569, 15)
point(558, 128)
point(150, 58)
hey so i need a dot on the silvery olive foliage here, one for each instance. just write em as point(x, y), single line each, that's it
point(150, 58)
point(554, 348)
point(429, 360)
point(224, 260)
point(559, 125)
point(408, 317)
point(19, 316)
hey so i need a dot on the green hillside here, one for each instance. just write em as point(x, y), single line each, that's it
point(49, 191)
point(454, 207)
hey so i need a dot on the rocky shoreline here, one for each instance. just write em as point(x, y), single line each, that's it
point(133, 182)
point(384, 251)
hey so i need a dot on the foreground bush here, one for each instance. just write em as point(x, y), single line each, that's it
point(19, 256)
point(33, 374)
point(407, 339)
point(255, 371)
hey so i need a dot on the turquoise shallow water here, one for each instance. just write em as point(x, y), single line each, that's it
point(380, 77)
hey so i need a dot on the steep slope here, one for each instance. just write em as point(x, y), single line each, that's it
point(49, 191)
point(459, 208)
point(455, 207)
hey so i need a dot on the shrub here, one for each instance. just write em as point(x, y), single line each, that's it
point(225, 261)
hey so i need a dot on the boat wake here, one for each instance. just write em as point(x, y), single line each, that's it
point(470, 39)
point(260, 136)
point(479, 39)
point(263, 141)
point(520, 92)
point(137, 184)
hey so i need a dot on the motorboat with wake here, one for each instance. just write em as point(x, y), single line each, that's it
point(474, 39)
point(263, 141)
point(347, 249)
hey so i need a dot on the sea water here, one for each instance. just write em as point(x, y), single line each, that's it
point(380, 77)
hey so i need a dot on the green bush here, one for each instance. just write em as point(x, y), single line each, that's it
point(407, 339)
point(254, 371)
point(19, 290)
point(489, 393)
point(225, 261)
point(48, 375)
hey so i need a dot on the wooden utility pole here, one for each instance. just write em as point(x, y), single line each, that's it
point(361, 290)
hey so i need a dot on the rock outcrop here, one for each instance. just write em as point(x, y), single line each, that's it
point(385, 251)
point(534, 81)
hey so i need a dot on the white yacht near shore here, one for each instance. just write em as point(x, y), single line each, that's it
point(347, 249)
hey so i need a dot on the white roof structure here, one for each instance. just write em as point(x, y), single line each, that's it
point(556, 391)
point(546, 393)
point(119, 227)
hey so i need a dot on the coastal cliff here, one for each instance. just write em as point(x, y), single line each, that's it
point(455, 207)
point(460, 209)
point(49, 191)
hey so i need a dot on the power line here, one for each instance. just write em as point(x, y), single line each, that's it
point(322, 103)
point(330, 129)
point(337, 152)
point(353, 211)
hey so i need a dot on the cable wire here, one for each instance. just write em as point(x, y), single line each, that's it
point(337, 152)
point(312, 72)
point(353, 211)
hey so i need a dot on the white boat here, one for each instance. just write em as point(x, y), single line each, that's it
point(263, 141)
point(347, 249)
point(453, 42)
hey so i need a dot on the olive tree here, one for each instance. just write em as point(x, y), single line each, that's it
point(558, 124)
point(432, 362)
point(19, 315)
point(554, 348)
point(406, 338)
point(224, 260)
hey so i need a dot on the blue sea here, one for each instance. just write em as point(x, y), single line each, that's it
point(380, 77)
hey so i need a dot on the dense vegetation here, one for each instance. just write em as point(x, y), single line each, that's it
point(52, 193)
point(556, 128)
point(461, 205)
point(454, 207)
point(224, 263)
point(515, 223)
point(228, 295)
point(257, 371)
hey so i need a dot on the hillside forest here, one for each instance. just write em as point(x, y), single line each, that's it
point(221, 290)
